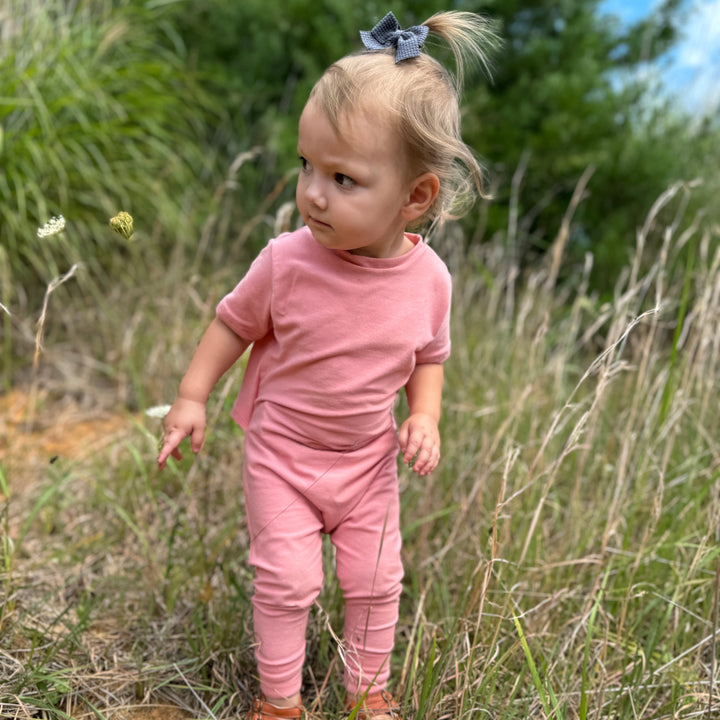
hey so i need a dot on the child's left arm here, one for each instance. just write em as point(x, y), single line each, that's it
point(419, 436)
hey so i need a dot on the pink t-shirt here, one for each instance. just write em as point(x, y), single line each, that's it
point(336, 335)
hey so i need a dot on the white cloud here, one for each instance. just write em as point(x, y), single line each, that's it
point(700, 44)
point(693, 74)
point(690, 72)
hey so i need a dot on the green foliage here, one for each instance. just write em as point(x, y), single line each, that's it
point(98, 114)
point(264, 57)
point(565, 96)
point(141, 106)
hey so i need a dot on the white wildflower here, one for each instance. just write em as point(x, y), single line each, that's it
point(158, 411)
point(53, 226)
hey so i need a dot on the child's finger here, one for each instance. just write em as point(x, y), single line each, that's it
point(428, 456)
point(423, 455)
point(427, 460)
point(403, 437)
point(170, 447)
point(196, 439)
point(413, 445)
point(162, 461)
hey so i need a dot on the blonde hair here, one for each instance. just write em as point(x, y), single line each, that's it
point(420, 98)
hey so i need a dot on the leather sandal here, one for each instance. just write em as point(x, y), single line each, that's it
point(375, 704)
point(262, 710)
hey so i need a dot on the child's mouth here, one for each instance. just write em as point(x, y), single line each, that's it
point(320, 223)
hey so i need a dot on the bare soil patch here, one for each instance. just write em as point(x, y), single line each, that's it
point(36, 430)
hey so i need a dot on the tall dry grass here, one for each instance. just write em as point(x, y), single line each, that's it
point(562, 563)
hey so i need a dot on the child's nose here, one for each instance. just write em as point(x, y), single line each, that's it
point(315, 194)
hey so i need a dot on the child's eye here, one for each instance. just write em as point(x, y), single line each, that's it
point(304, 164)
point(344, 181)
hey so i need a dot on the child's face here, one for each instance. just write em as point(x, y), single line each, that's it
point(351, 191)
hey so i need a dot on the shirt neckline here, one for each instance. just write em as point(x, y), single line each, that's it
point(373, 262)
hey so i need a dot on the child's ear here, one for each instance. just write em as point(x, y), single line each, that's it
point(423, 191)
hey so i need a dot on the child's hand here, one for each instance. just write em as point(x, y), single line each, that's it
point(419, 438)
point(186, 417)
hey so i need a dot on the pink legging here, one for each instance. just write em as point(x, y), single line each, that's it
point(294, 494)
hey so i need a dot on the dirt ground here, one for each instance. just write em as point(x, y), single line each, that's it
point(36, 431)
point(163, 712)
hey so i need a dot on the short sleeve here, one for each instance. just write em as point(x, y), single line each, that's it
point(438, 349)
point(247, 309)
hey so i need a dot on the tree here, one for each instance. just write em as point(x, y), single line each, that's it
point(557, 107)
point(560, 102)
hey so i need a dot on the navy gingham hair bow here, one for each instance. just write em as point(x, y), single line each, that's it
point(388, 33)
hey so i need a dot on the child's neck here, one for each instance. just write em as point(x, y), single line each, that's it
point(399, 247)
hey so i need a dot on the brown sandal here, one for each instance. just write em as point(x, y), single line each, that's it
point(263, 710)
point(377, 703)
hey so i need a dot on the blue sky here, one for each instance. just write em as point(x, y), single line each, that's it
point(692, 71)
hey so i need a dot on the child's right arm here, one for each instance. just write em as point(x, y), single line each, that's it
point(218, 350)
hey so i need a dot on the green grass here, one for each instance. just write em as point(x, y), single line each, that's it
point(562, 563)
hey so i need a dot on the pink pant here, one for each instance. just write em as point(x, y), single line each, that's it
point(294, 494)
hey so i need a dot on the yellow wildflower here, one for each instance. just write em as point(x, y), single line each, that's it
point(122, 224)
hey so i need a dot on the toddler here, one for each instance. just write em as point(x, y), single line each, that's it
point(341, 315)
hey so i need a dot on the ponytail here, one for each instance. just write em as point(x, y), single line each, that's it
point(470, 37)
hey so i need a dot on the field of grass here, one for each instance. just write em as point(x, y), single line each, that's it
point(563, 562)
